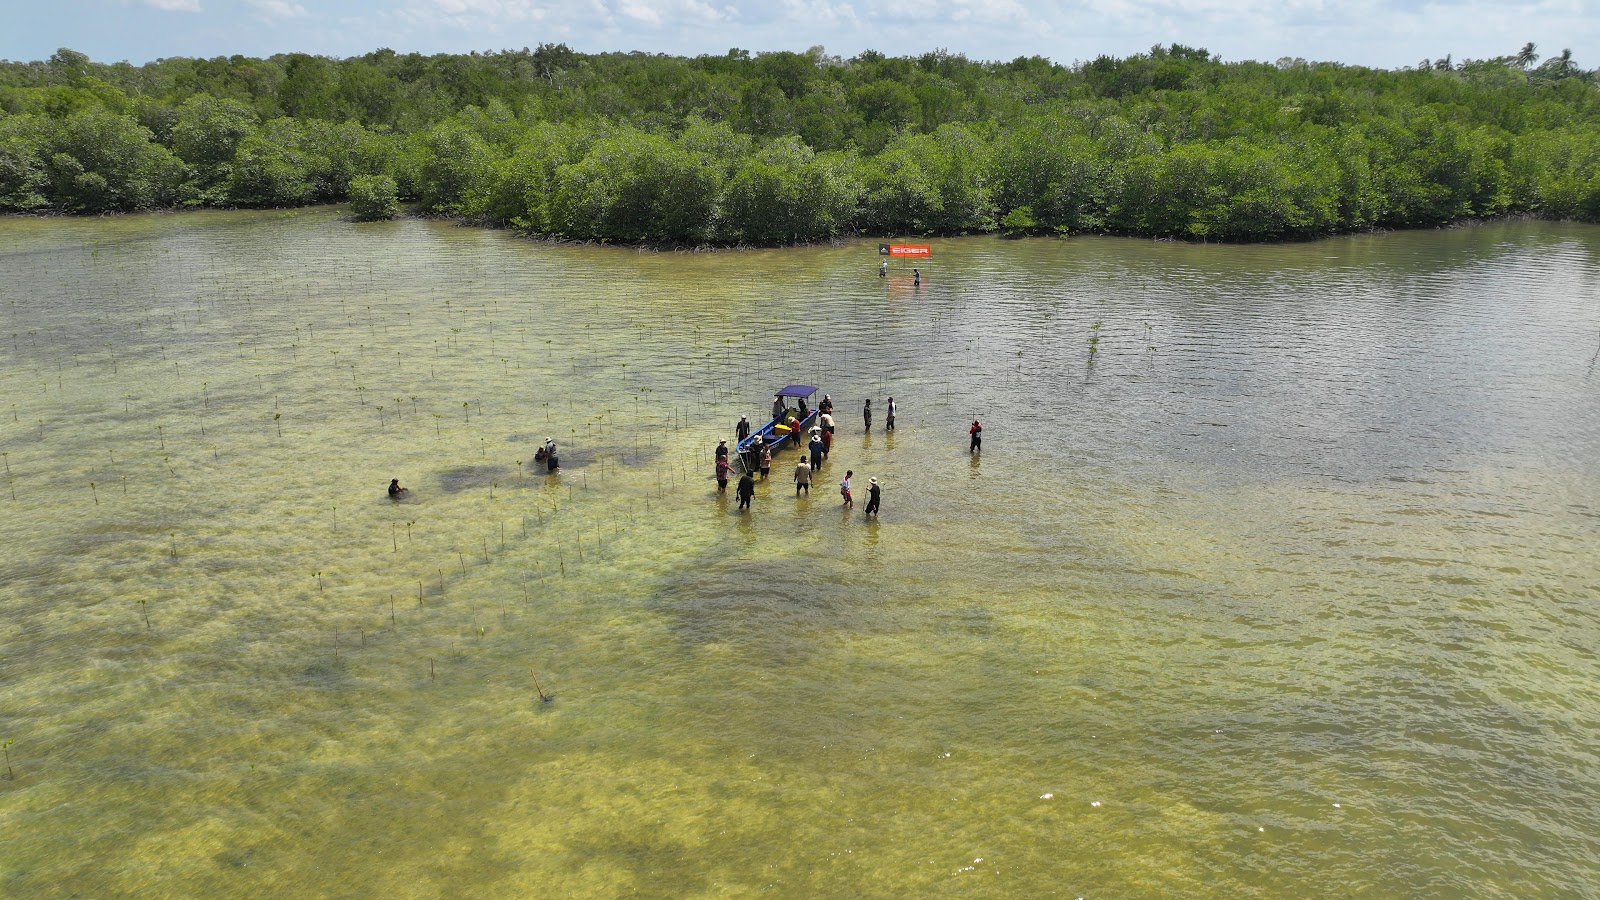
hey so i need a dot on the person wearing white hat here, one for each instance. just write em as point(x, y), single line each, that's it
point(874, 495)
point(743, 431)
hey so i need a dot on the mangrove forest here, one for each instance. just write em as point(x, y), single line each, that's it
point(777, 148)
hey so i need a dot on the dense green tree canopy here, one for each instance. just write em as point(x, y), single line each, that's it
point(772, 148)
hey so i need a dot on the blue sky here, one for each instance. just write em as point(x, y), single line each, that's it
point(1384, 33)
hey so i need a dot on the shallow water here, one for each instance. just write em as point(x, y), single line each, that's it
point(1285, 587)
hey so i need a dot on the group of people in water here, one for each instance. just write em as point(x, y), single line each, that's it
point(758, 454)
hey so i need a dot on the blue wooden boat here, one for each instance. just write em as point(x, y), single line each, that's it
point(778, 438)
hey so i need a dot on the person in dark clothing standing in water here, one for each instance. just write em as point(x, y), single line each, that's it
point(916, 278)
point(888, 421)
point(743, 431)
point(746, 490)
point(866, 415)
point(874, 495)
point(977, 436)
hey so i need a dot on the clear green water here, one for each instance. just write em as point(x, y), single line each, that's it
point(1287, 589)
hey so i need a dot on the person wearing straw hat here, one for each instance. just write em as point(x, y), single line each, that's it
point(874, 495)
point(816, 448)
point(722, 449)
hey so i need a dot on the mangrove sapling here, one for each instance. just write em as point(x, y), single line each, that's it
point(277, 420)
point(540, 688)
point(6, 749)
point(95, 494)
point(391, 609)
point(145, 608)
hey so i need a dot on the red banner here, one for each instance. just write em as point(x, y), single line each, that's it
point(910, 250)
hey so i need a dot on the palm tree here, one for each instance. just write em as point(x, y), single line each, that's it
point(1526, 56)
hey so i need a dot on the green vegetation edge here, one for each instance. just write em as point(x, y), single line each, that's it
point(779, 148)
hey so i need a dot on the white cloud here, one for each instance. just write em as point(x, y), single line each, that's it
point(273, 10)
point(678, 13)
point(1008, 12)
point(175, 5)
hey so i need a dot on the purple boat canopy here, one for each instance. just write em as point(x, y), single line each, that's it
point(796, 390)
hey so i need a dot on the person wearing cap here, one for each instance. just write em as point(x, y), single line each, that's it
point(723, 470)
point(395, 490)
point(816, 448)
point(874, 495)
point(977, 436)
point(888, 421)
point(826, 405)
point(866, 415)
point(802, 477)
point(752, 453)
point(722, 449)
point(746, 490)
point(743, 431)
point(766, 459)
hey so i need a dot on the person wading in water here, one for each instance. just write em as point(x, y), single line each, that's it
point(746, 490)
